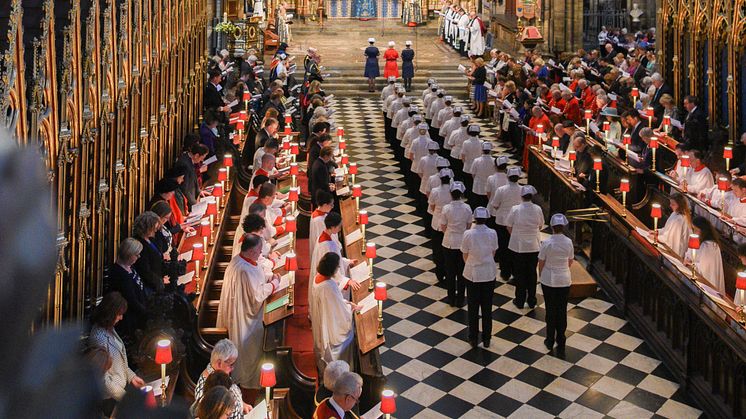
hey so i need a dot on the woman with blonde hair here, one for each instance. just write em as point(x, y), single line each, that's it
point(478, 77)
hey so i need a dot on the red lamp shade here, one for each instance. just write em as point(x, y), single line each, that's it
point(588, 114)
point(607, 126)
point(291, 263)
point(204, 228)
point(357, 191)
point(294, 169)
point(685, 161)
point(380, 291)
point(150, 402)
point(363, 217)
point(197, 252)
point(540, 128)
point(343, 145)
point(345, 159)
point(649, 112)
point(340, 132)
point(293, 194)
point(370, 250)
point(228, 160)
point(267, 377)
point(212, 207)
point(694, 241)
point(353, 168)
point(244, 116)
point(555, 141)
point(239, 125)
point(624, 185)
point(294, 149)
point(741, 281)
point(286, 145)
point(222, 174)
point(597, 164)
point(388, 402)
point(291, 225)
point(635, 92)
point(723, 183)
point(655, 211)
point(727, 152)
point(653, 142)
point(288, 119)
point(571, 155)
point(666, 121)
point(217, 190)
point(287, 130)
point(163, 352)
point(626, 139)
point(246, 96)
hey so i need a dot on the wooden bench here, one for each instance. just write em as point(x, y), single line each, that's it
point(583, 284)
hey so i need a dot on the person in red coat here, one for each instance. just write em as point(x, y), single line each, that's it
point(391, 55)
point(345, 395)
point(572, 107)
point(538, 118)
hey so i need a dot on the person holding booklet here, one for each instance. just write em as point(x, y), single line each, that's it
point(329, 242)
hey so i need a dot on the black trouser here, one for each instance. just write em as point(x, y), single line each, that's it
point(479, 297)
point(555, 300)
point(458, 168)
point(438, 256)
point(468, 180)
point(434, 135)
point(478, 200)
point(503, 254)
point(407, 83)
point(454, 264)
point(525, 275)
point(387, 128)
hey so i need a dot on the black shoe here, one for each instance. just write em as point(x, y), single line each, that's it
point(473, 343)
point(512, 281)
point(451, 301)
point(460, 302)
point(561, 352)
point(532, 305)
point(549, 344)
point(486, 342)
point(520, 306)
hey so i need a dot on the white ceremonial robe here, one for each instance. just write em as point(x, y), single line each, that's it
point(463, 30)
point(709, 263)
point(456, 141)
point(329, 244)
point(470, 150)
point(427, 168)
point(503, 200)
point(736, 208)
point(699, 180)
point(448, 127)
point(316, 226)
point(482, 168)
point(331, 324)
point(675, 234)
point(241, 311)
point(494, 182)
point(476, 40)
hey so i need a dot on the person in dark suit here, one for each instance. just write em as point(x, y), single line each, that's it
point(191, 162)
point(150, 263)
point(208, 132)
point(213, 98)
point(123, 278)
point(584, 161)
point(321, 178)
point(661, 88)
point(319, 142)
point(646, 154)
point(634, 125)
point(695, 125)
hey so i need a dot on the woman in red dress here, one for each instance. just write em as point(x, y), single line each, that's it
point(391, 55)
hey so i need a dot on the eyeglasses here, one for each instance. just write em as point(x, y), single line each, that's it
point(357, 399)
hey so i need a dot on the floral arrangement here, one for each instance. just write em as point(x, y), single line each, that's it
point(227, 28)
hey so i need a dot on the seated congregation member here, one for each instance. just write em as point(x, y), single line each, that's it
point(345, 395)
point(222, 359)
point(321, 178)
point(332, 372)
point(708, 260)
point(218, 403)
point(331, 317)
point(191, 161)
point(456, 219)
point(675, 233)
point(556, 255)
point(223, 380)
point(480, 271)
point(124, 279)
point(106, 315)
point(699, 177)
point(150, 263)
point(501, 203)
point(324, 205)
point(329, 242)
point(524, 224)
point(245, 289)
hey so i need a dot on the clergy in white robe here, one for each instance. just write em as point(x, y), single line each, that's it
point(325, 201)
point(708, 260)
point(475, 39)
point(675, 234)
point(331, 320)
point(700, 178)
point(241, 310)
point(254, 224)
point(328, 242)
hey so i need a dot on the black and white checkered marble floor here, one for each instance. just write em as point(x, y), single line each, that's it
point(608, 370)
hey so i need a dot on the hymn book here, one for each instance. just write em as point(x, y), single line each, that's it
point(186, 278)
point(359, 273)
point(354, 236)
point(156, 384)
point(368, 303)
point(258, 412)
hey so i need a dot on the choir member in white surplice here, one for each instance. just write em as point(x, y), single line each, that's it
point(329, 242)
point(699, 177)
point(241, 310)
point(675, 234)
point(331, 319)
point(708, 260)
point(475, 47)
point(735, 205)
point(324, 205)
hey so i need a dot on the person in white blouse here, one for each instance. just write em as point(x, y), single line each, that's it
point(675, 234)
point(502, 202)
point(524, 223)
point(556, 255)
point(698, 177)
point(495, 181)
point(708, 260)
point(450, 125)
point(455, 140)
point(470, 150)
point(417, 150)
point(480, 271)
point(439, 197)
point(482, 168)
point(425, 169)
point(456, 220)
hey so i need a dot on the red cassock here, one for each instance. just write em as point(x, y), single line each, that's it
point(533, 139)
point(572, 111)
point(391, 68)
point(325, 411)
